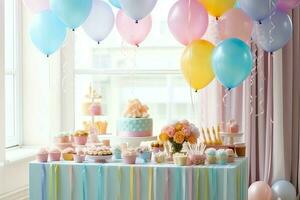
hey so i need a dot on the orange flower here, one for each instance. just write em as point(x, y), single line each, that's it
point(192, 139)
point(179, 137)
point(163, 137)
point(178, 126)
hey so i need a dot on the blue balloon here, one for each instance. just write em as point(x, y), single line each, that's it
point(47, 32)
point(283, 190)
point(274, 32)
point(258, 9)
point(237, 5)
point(115, 3)
point(71, 12)
point(232, 62)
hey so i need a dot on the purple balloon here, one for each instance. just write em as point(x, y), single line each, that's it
point(286, 5)
point(274, 32)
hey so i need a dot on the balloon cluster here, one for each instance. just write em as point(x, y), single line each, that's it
point(48, 29)
point(239, 22)
point(282, 190)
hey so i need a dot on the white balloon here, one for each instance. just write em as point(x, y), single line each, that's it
point(100, 21)
point(138, 9)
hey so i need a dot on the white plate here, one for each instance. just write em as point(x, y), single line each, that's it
point(97, 158)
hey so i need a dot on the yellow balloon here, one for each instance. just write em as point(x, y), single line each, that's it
point(217, 7)
point(196, 64)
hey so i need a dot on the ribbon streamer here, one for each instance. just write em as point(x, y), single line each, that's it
point(190, 183)
point(150, 182)
point(120, 182)
point(43, 181)
point(138, 183)
point(70, 171)
point(84, 183)
point(167, 185)
point(99, 181)
point(131, 195)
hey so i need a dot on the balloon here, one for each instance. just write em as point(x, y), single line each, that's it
point(228, 25)
point(237, 5)
point(258, 9)
point(283, 190)
point(217, 7)
point(47, 32)
point(274, 32)
point(115, 3)
point(137, 9)
point(286, 5)
point(131, 32)
point(196, 64)
point(37, 5)
point(187, 22)
point(71, 12)
point(100, 21)
point(232, 62)
point(259, 191)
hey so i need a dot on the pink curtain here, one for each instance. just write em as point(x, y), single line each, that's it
point(291, 105)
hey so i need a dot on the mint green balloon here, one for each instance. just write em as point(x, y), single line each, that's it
point(72, 13)
point(47, 32)
point(232, 62)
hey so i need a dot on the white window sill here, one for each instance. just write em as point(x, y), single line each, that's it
point(19, 154)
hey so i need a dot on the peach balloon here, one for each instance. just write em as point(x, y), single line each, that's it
point(235, 23)
point(259, 190)
point(132, 32)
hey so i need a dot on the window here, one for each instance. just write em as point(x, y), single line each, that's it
point(120, 72)
point(12, 73)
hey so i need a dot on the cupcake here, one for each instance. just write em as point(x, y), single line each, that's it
point(144, 153)
point(129, 156)
point(155, 147)
point(62, 138)
point(80, 137)
point(240, 149)
point(222, 156)
point(197, 158)
point(42, 155)
point(117, 152)
point(232, 127)
point(211, 156)
point(67, 154)
point(79, 157)
point(230, 155)
point(54, 154)
point(180, 159)
point(159, 157)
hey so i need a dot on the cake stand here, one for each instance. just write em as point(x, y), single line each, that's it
point(231, 136)
point(131, 141)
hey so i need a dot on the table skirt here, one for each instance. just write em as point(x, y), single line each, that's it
point(117, 181)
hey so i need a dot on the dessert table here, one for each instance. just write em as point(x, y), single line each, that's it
point(118, 181)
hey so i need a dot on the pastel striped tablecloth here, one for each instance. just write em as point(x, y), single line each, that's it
point(117, 181)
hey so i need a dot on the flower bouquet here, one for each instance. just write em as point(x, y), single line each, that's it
point(179, 132)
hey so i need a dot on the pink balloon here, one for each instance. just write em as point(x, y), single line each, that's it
point(37, 5)
point(259, 191)
point(235, 23)
point(286, 5)
point(188, 21)
point(132, 32)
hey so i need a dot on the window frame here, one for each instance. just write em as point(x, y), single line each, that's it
point(16, 72)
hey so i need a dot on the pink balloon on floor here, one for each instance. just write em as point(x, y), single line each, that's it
point(37, 5)
point(286, 5)
point(188, 21)
point(259, 190)
point(132, 32)
point(235, 23)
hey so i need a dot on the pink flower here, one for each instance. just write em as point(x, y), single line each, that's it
point(170, 130)
point(186, 129)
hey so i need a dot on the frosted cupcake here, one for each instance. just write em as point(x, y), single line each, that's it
point(117, 152)
point(230, 155)
point(180, 159)
point(79, 157)
point(80, 137)
point(67, 154)
point(211, 156)
point(54, 154)
point(42, 155)
point(144, 153)
point(160, 157)
point(222, 156)
point(129, 156)
point(62, 138)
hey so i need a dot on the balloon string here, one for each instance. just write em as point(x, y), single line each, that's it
point(226, 95)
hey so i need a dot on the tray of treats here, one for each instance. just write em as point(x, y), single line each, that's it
point(98, 154)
